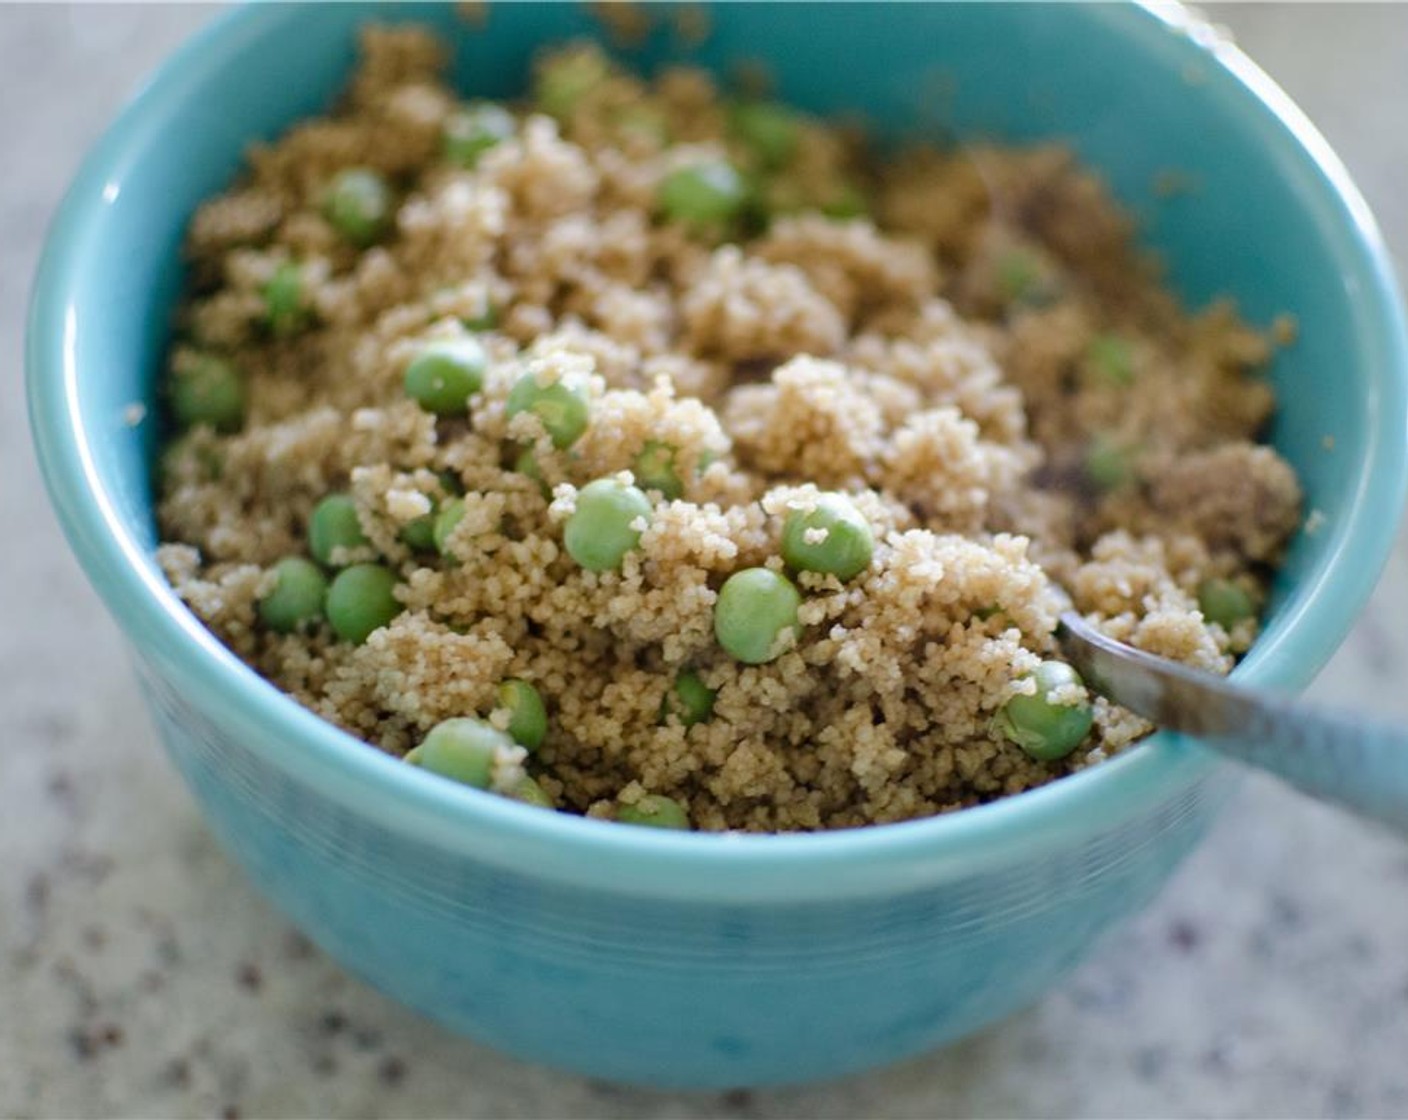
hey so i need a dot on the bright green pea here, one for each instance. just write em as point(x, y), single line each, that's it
point(1046, 730)
point(654, 469)
point(527, 715)
point(690, 699)
point(1224, 602)
point(770, 130)
point(360, 600)
point(333, 525)
point(755, 608)
point(600, 531)
point(654, 811)
point(462, 749)
point(358, 203)
point(445, 374)
point(530, 792)
point(450, 515)
point(419, 533)
point(296, 597)
point(561, 407)
point(1111, 358)
point(285, 303)
point(473, 130)
point(706, 194)
point(210, 391)
point(846, 549)
point(565, 80)
point(1109, 464)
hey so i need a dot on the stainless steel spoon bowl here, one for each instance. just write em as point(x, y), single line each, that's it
point(1336, 757)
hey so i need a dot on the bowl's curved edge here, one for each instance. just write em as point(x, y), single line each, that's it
point(1382, 483)
point(590, 853)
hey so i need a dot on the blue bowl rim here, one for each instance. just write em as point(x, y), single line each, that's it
point(734, 868)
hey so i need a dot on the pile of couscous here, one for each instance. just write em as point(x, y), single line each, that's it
point(669, 456)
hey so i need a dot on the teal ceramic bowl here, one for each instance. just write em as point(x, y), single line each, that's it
point(702, 960)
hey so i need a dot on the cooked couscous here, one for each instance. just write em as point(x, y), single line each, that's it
point(674, 457)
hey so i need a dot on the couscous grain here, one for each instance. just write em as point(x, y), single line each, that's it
point(667, 456)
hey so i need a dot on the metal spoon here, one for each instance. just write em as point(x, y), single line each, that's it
point(1335, 757)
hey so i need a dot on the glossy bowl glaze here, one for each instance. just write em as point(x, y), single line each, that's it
point(704, 960)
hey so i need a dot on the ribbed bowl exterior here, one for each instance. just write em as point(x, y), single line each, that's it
point(659, 992)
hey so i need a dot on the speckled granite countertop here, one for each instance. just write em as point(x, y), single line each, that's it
point(140, 976)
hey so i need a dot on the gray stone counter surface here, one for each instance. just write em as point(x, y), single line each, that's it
point(140, 975)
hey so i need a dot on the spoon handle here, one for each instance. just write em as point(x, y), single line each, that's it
point(1354, 763)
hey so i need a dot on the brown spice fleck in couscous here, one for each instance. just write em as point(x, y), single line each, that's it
point(965, 343)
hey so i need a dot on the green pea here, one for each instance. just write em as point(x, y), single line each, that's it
point(210, 391)
point(486, 320)
point(1022, 278)
point(285, 302)
point(530, 792)
point(1111, 358)
point(209, 464)
point(654, 811)
point(462, 749)
point(1224, 602)
point(846, 202)
point(845, 549)
point(770, 131)
point(359, 205)
point(565, 80)
point(444, 375)
point(654, 469)
point(334, 525)
point(561, 407)
point(706, 194)
point(756, 607)
point(527, 465)
point(1046, 730)
point(1108, 463)
point(296, 597)
point(527, 715)
point(473, 130)
point(450, 515)
point(645, 121)
point(419, 533)
point(451, 482)
point(690, 699)
point(601, 529)
point(360, 600)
